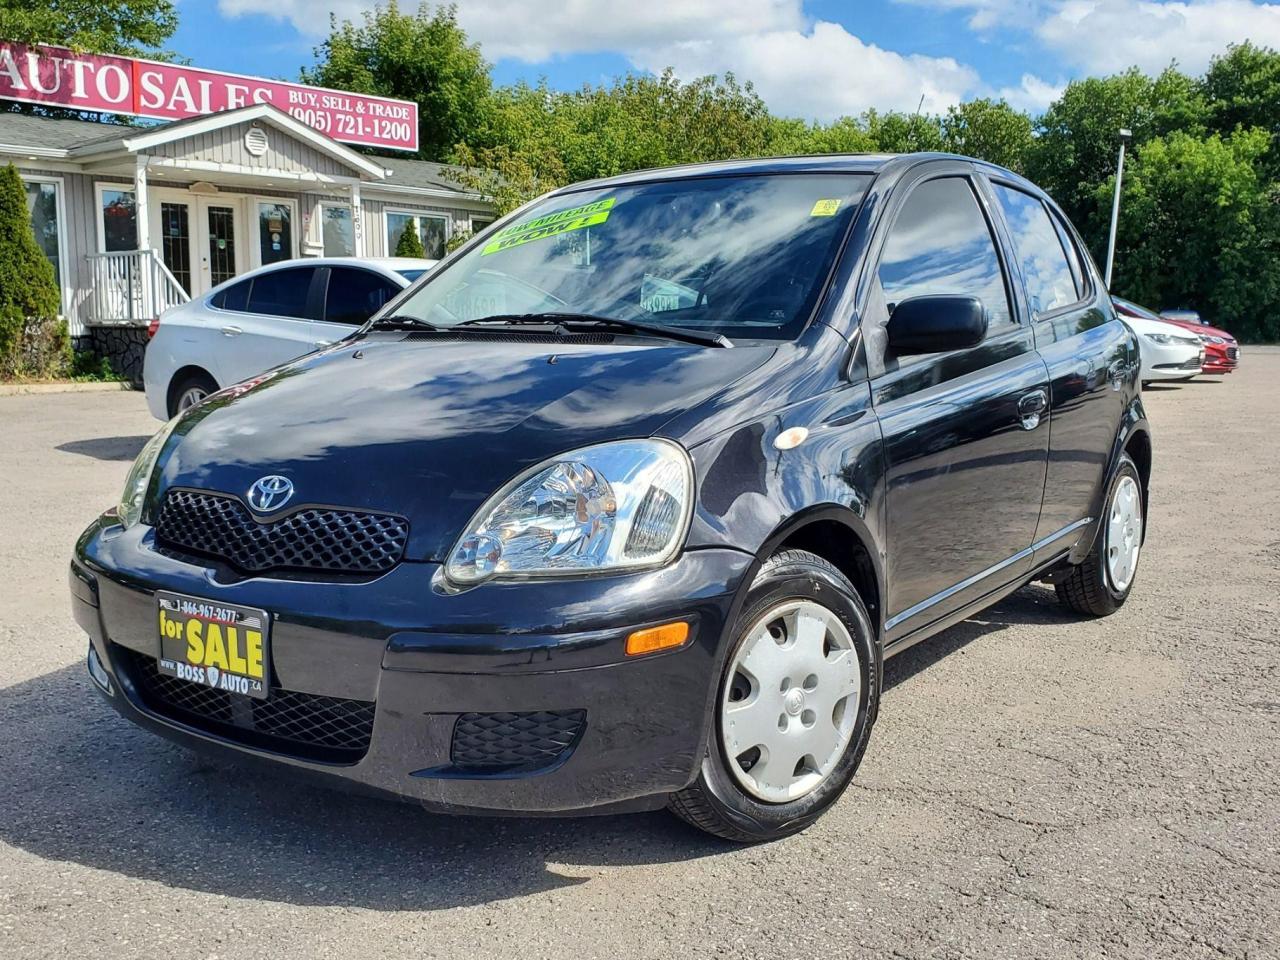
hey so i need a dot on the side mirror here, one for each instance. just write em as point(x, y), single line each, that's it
point(936, 324)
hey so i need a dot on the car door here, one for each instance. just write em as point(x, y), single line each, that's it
point(1086, 350)
point(265, 320)
point(351, 296)
point(965, 433)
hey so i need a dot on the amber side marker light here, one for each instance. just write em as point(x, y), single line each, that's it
point(653, 639)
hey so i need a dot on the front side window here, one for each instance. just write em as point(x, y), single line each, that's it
point(738, 255)
point(119, 220)
point(941, 244)
point(355, 295)
point(42, 205)
point(1045, 269)
point(432, 230)
point(281, 293)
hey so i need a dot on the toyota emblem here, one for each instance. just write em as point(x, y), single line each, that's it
point(270, 493)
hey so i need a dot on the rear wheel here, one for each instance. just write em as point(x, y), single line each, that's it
point(189, 390)
point(1100, 585)
point(793, 708)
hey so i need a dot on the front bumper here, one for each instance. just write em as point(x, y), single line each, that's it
point(1171, 361)
point(421, 657)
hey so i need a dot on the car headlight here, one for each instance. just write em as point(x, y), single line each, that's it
point(139, 479)
point(608, 507)
point(1161, 338)
point(1212, 339)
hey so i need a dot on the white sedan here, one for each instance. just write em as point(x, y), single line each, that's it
point(1169, 352)
point(262, 319)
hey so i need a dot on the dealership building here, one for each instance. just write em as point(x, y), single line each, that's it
point(138, 218)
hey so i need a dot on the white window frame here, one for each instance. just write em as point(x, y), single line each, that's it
point(410, 212)
point(471, 222)
point(59, 191)
point(99, 188)
point(255, 249)
point(350, 213)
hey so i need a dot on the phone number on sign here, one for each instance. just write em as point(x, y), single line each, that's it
point(347, 125)
point(207, 611)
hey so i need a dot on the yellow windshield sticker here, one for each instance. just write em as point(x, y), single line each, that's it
point(825, 208)
point(551, 225)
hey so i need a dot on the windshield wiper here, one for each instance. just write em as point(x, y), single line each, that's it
point(562, 320)
point(402, 322)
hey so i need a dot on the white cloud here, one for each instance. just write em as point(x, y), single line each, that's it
point(822, 72)
point(1032, 94)
point(813, 70)
point(1105, 36)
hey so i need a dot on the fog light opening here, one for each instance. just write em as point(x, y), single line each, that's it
point(653, 639)
point(98, 672)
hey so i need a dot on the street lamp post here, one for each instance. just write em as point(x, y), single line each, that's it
point(1125, 136)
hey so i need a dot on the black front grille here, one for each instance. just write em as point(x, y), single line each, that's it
point(515, 741)
point(310, 538)
point(309, 726)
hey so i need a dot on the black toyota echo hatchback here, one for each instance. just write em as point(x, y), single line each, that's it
point(625, 504)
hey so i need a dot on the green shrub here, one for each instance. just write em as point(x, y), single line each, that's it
point(33, 338)
point(410, 244)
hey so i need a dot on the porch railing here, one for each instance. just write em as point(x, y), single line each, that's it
point(132, 286)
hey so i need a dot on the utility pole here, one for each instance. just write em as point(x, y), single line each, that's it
point(1125, 136)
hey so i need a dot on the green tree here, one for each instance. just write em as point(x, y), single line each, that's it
point(33, 338)
point(989, 130)
point(895, 132)
point(424, 57)
point(130, 27)
point(409, 243)
point(1079, 136)
point(1242, 89)
point(1200, 228)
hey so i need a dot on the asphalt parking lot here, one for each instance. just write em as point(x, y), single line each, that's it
point(1037, 786)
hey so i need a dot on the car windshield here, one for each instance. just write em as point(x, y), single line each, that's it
point(742, 256)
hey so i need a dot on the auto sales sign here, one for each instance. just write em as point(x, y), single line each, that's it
point(165, 91)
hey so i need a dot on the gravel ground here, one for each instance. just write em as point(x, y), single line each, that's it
point(1036, 786)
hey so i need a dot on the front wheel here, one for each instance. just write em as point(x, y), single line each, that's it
point(1100, 584)
point(794, 705)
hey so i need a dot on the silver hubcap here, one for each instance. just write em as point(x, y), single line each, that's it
point(1124, 533)
point(789, 708)
point(190, 397)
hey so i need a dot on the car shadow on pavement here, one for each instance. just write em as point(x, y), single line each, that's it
point(80, 784)
point(1035, 603)
point(106, 448)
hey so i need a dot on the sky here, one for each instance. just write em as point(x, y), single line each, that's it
point(815, 59)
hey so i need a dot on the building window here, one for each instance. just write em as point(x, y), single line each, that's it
point(433, 228)
point(119, 219)
point(338, 231)
point(42, 204)
point(275, 232)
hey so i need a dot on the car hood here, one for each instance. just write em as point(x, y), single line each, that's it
point(1201, 328)
point(430, 429)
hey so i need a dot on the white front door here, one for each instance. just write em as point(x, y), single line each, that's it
point(199, 238)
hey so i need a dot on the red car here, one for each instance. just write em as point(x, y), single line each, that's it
point(1221, 352)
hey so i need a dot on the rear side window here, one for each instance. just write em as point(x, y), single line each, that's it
point(234, 297)
point(355, 295)
point(941, 245)
point(281, 293)
point(1050, 281)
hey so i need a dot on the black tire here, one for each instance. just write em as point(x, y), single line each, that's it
point(715, 802)
point(1087, 588)
point(184, 384)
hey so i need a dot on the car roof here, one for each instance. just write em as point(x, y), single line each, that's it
point(823, 163)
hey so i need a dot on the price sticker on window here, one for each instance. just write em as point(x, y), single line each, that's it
point(825, 208)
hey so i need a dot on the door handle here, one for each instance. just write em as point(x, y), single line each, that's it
point(231, 331)
point(1030, 407)
point(1116, 373)
point(320, 344)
